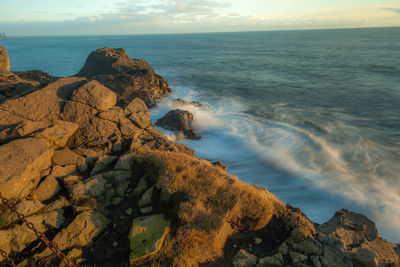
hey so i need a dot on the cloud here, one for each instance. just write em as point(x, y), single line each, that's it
point(395, 10)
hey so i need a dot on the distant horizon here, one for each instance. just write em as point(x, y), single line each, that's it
point(205, 32)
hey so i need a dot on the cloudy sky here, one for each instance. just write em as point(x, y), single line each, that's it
point(66, 17)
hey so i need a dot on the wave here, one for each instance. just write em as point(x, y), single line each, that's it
point(312, 144)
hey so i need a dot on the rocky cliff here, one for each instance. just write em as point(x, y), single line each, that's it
point(81, 160)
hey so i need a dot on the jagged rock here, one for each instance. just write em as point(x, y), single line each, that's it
point(182, 103)
point(127, 128)
point(59, 133)
point(102, 163)
point(36, 76)
point(26, 207)
point(4, 60)
point(61, 171)
point(147, 236)
point(78, 112)
point(112, 114)
point(65, 157)
point(125, 162)
point(297, 257)
point(19, 237)
point(244, 259)
point(283, 249)
point(179, 120)
point(97, 132)
point(146, 198)
point(93, 187)
point(21, 162)
point(309, 246)
point(272, 261)
point(334, 254)
point(122, 181)
point(95, 95)
point(32, 107)
point(138, 113)
point(351, 227)
point(221, 165)
point(81, 231)
point(47, 189)
point(129, 78)
point(366, 257)
point(140, 188)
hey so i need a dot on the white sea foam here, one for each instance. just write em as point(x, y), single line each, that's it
point(333, 156)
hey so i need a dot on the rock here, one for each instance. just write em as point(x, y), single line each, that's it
point(146, 198)
point(129, 211)
point(273, 261)
point(65, 157)
point(344, 222)
point(81, 231)
point(95, 95)
point(61, 171)
point(26, 207)
point(334, 254)
point(4, 60)
point(366, 257)
point(36, 76)
point(297, 257)
point(283, 249)
point(178, 120)
point(220, 165)
point(122, 181)
point(127, 128)
point(146, 210)
point(129, 78)
point(102, 163)
point(257, 241)
point(46, 189)
point(147, 236)
point(21, 162)
point(182, 103)
point(32, 107)
point(315, 261)
point(244, 259)
point(125, 162)
point(93, 187)
point(112, 114)
point(138, 113)
point(59, 133)
point(309, 246)
point(18, 237)
point(140, 188)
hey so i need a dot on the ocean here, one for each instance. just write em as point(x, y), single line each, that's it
point(313, 116)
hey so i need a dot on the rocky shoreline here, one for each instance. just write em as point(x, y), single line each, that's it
point(80, 158)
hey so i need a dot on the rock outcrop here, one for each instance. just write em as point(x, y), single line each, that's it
point(92, 173)
point(179, 120)
point(4, 60)
point(129, 78)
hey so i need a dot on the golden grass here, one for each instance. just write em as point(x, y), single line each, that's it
point(215, 205)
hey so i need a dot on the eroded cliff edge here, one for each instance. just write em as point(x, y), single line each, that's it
point(80, 158)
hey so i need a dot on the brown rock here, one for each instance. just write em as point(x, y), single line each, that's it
point(46, 189)
point(21, 162)
point(129, 78)
point(81, 231)
point(179, 120)
point(59, 133)
point(95, 95)
point(4, 60)
point(65, 157)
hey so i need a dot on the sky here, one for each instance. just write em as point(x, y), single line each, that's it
point(85, 17)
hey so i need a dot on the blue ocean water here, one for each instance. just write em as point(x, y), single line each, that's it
point(313, 116)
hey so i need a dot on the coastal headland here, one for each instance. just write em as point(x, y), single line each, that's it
point(81, 160)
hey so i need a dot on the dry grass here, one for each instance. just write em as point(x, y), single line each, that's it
point(213, 206)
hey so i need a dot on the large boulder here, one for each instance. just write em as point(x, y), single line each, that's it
point(179, 120)
point(4, 60)
point(95, 95)
point(129, 78)
point(21, 162)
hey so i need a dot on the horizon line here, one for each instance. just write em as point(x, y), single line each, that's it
point(205, 32)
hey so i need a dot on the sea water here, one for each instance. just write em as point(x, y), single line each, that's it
point(313, 116)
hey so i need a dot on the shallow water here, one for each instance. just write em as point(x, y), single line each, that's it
point(313, 116)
